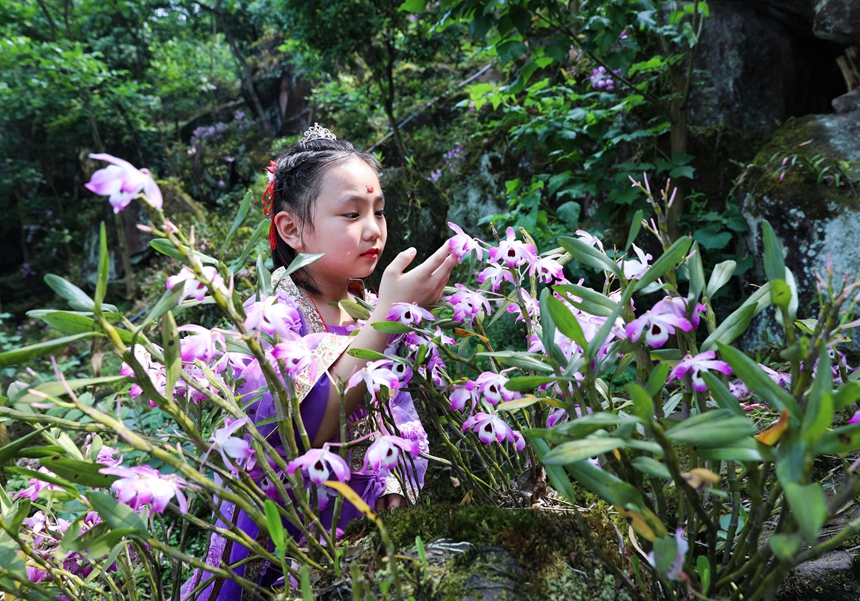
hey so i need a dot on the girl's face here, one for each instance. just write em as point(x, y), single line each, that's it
point(348, 223)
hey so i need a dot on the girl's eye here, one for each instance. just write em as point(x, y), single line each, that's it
point(351, 215)
point(380, 213)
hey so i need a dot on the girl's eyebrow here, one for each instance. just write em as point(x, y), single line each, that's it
point(361, 198)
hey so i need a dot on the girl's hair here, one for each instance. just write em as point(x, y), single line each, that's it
point(298, 178)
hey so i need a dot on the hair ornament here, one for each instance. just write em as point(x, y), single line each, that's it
point(317, 132)
point(269, 201)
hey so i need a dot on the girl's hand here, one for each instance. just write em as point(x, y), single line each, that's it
point(390, 502)
point(423, 285)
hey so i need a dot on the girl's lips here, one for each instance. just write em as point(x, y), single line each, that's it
point(373, 253)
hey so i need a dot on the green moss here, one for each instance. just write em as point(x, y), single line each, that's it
point(807, 140)
point(512, 554)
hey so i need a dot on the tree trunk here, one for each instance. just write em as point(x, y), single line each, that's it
point(678, 143)
point(263, 122)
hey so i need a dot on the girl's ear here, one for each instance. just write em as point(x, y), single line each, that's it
point(289, 228)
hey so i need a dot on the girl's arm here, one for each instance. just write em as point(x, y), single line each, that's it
point(423, 285)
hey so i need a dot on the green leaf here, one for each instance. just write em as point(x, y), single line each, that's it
point(12, 562)
point(510, 50)
point(104, 270)
point(604, 331)
point(724, 398)
point(58, 389)
point(413, 6)
point(69, 323)
point(704, 569)
point(363, 353)
point(78, 299)
point(79, 472)
point(168, 301)
point(652, 467)
point(759, 382)
point(606, 486)
point(713, 432)
point(579, 450)
point(21, 511)
point(774, 263)
point(635, 226)
point(784, 546)
point(808, 506)
point(697, 274)
point(172, 353)
point(780, 293)
point(264, 277)
point(569, 213)
point(732, 326)
point(354, 310)
point(840, 440)
point(657, 379)
point(237, 264)
point(303, 260)
point(592, 302)
point(391, 327)
point(240, 217)
point(665, 552)
point(165, 247)
point(720, 276)
point(524, 383)
point(848, 393)
point(564, 320)
point(588, 255)
point(525, 361)
point(819, 408)
point(64, 484)
point(643, 407)
point(743, 450)
point(117, 515)
point(275, 526)
point(517, 404)
point(10, 451)
point(667, 261)
point(28, 353)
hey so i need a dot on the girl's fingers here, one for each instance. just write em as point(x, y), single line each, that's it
point(402, 261)
point(436, 259)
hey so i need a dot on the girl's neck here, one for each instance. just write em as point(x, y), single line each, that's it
point(329, 292)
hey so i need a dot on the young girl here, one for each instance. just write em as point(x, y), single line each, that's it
point(324, 197)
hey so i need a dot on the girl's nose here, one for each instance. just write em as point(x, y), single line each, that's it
point(372, 229)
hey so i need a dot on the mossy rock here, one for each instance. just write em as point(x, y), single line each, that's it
point(478, 552)
point(812, 201)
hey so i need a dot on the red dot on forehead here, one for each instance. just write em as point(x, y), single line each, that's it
point(370, 189)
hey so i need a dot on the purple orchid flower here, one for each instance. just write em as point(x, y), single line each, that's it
point(492, 386)
point(143, 485)
point(408, 313)
point(467, 304)
point(270, 316)
point(780, 378)
point(855, 419)
point(203, 344)
point(676, 570)
point(463, 394)
point(657, 327)
point(385, 450)
point(491, 428)
point(547, 269)
point(496, 274)
point(462, 244)
point(512, 251)
point(375, 375)
point(635, 269)
point(589, 239)
point(700, 363)
point(227, 445)
point(193, 287)
point(296, 355)
point(320, 464)
point(121, 182)
point(678, 306)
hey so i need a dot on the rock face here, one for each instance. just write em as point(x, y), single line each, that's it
point(813, 201)
point(759, 63)
point(838, 21)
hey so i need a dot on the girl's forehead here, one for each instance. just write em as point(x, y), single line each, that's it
point(351, 179)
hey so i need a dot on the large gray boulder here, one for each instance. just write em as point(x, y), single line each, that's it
point(759, 63)
point(812, 202)
point(838, 21)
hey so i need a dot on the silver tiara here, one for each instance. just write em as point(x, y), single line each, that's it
point(317, 132)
